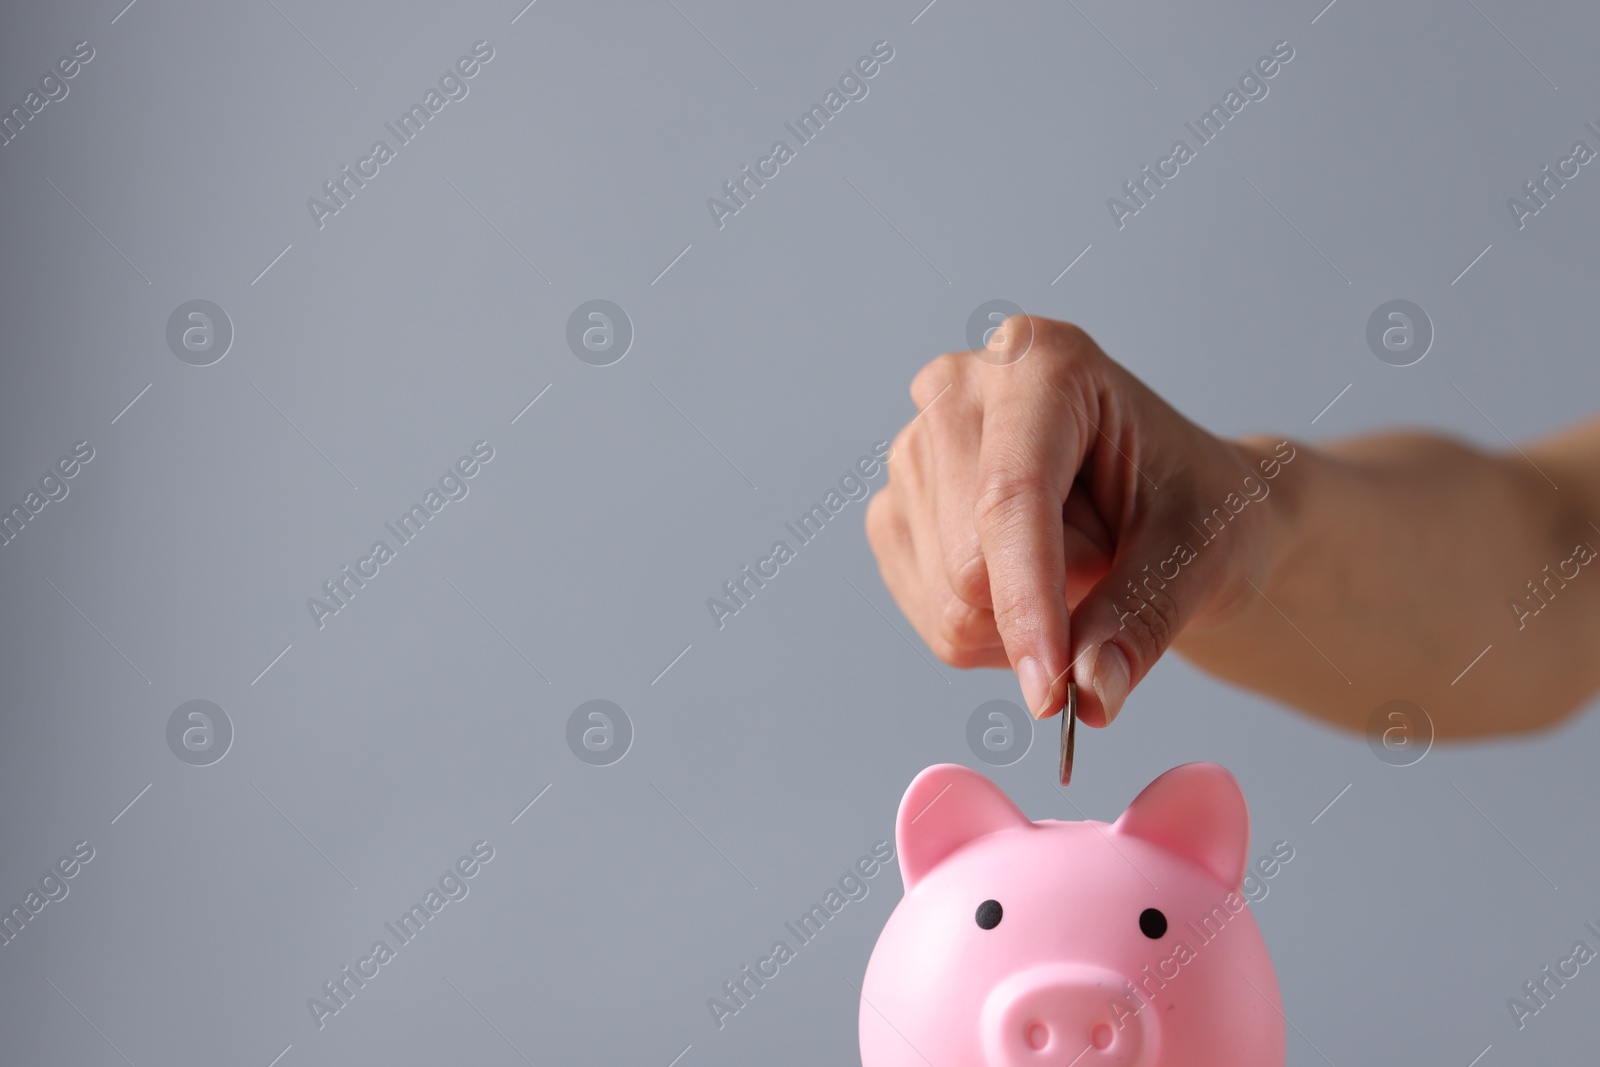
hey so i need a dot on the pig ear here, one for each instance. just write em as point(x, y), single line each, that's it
point(1197, 811)
point(946, 806)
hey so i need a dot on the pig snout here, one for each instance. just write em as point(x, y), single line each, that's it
point(1066, 1014)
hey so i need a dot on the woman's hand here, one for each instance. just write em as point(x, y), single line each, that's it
point(1041, 478)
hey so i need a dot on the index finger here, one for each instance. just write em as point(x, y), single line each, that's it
point(1028, 457)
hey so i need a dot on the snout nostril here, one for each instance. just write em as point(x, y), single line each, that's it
point(1069, 1014)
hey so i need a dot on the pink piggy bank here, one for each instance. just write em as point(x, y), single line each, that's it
point(1072, 944)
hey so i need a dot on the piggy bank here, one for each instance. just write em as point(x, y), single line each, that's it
point(1072, 944)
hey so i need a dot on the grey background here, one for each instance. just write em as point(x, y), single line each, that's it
point(773, 753)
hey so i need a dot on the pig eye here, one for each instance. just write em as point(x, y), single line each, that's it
point(989, 913)
point(1152, 923)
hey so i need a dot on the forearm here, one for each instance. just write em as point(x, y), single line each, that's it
point(1393, 561)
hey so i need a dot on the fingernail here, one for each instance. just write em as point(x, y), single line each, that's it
point(1035, 682)
point(1111, 678)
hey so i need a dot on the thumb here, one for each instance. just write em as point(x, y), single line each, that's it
point(1156, 584)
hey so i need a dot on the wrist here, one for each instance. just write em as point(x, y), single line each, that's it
point(1268, 489)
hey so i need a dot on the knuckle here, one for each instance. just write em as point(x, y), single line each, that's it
point(888, 532)
point(877, 521)
point(900, 440)
point(969, 578)
point(1067, 337)
point(902, 451)
point(958, 622)
point(1011, 614)
point(1152, 625)
point(933, 379)
point(1004, 496)
point(966, 659)
point(1013, 338)
point(1066, 345)
point(961, 634)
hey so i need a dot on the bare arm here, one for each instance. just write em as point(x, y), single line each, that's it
point(1048, 512)
point(1401, 557)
